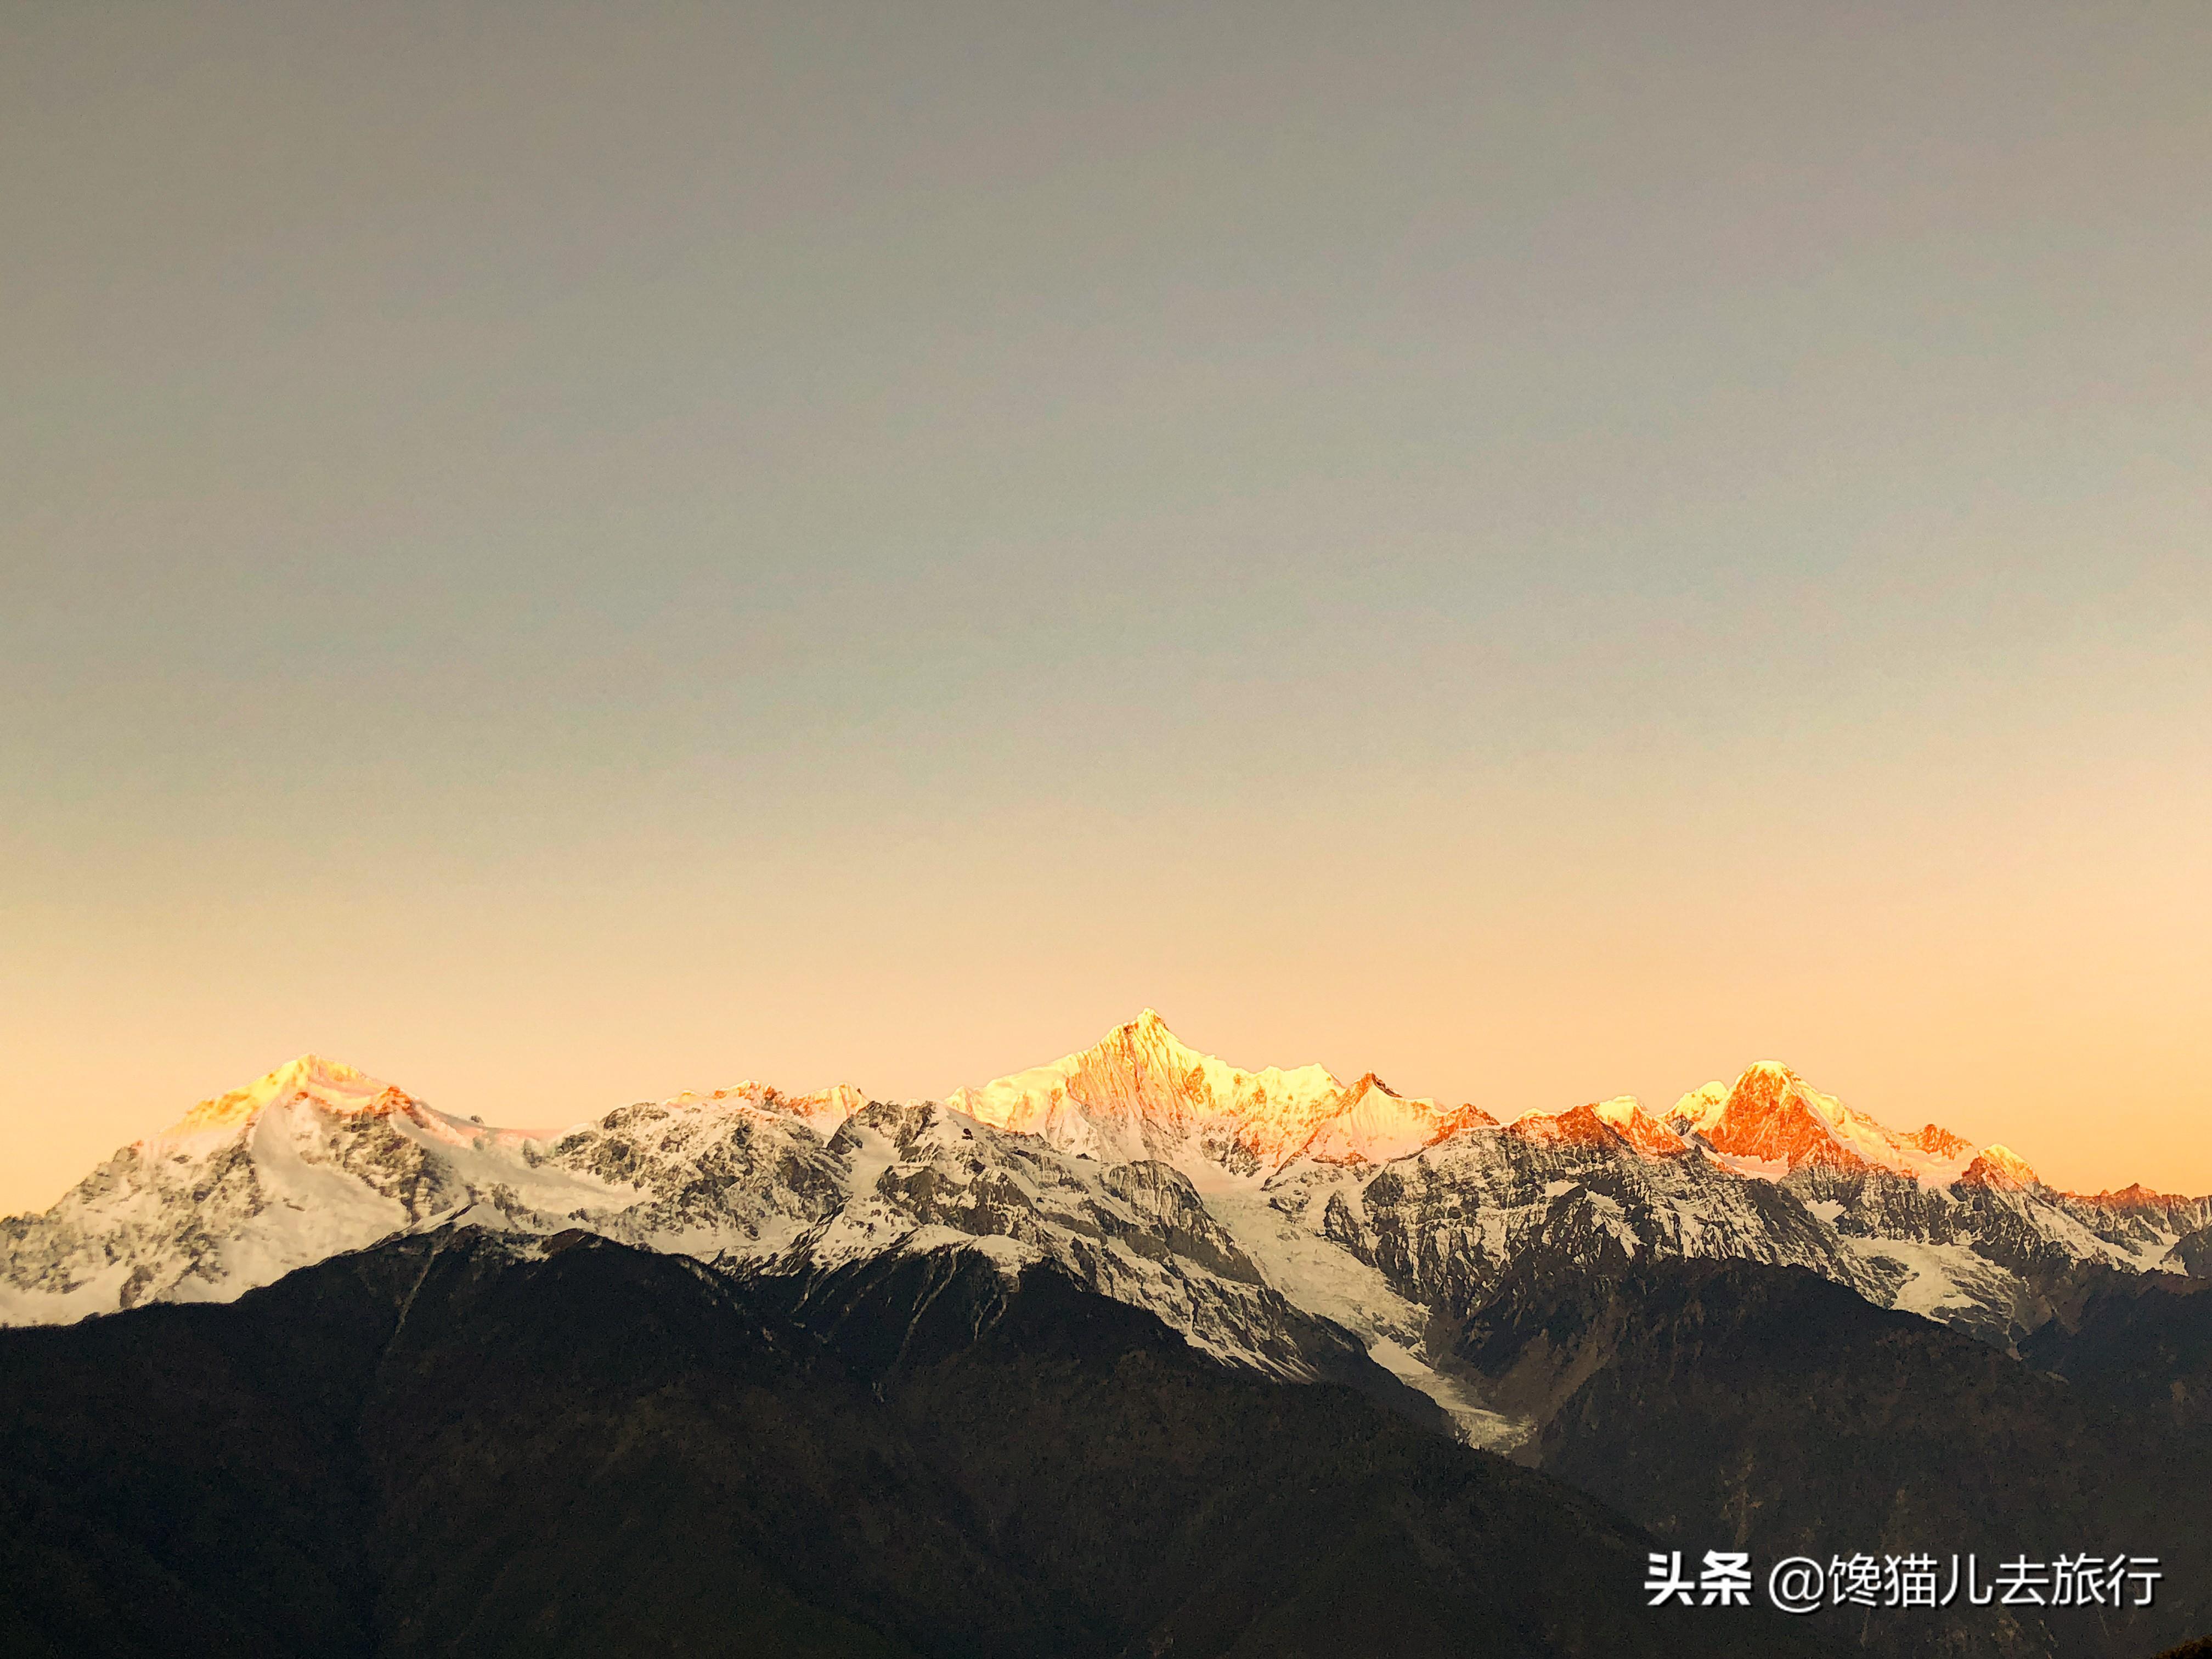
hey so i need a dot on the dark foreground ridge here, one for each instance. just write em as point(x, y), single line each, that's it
point(1737, 1406)
point(452, 1445)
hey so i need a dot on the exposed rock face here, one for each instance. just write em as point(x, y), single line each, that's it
point(704, 1178)
point(1447, 1225)
point(1278, 1219)
point(1772, 1116)
point(311, 1160)
point(739, 1178)
point(923, 1176)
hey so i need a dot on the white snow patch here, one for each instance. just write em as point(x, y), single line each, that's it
point(1324, 1277)
point(1939, 1272)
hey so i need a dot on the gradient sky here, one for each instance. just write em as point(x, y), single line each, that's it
point(562, 554)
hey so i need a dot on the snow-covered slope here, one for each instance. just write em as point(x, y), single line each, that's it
point(315, 1157)
point(923, 1176)
point(1280, 1219)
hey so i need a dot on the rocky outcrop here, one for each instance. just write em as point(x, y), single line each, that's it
point(1263, 1215)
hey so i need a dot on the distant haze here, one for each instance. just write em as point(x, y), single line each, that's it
point(560, 554)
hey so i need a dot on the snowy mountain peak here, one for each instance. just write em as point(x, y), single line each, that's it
point(1700, 1109)
point(1651, 1136)
point(2000, 1166)
point(822, 1110)
point(1242, 1207)
point(1141, 1092)
point(1141, 1089)
point(1599, 1123)
point(1762, 1086)
point(1370, 1123)
point(1581, 1126)
point(1772, 1121)
point(2134, 1196)
point(1771, 1117)
point(329, 1083)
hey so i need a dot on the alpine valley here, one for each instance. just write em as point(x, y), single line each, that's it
point(1756, 1319)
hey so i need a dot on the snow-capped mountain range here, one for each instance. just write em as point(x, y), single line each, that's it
point(1282, 1220)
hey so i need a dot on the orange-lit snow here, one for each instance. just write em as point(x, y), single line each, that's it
point(1772, 1119)
point(1139, 1093)
point(1074, 1159)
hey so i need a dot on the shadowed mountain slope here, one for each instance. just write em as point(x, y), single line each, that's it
point(460, 1442)
point(1739, 1405)
point(2142, 1341)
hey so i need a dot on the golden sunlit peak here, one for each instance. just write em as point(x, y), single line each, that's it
point(312, 1069)
point(2000, 1166)
point(331, 1083)
point(1151, 1032)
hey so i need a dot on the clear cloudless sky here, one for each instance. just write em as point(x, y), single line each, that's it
point(559, 553)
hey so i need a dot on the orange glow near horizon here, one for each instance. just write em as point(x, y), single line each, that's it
point(1544, 562)
point(2081, 1057)
point(2018, 965)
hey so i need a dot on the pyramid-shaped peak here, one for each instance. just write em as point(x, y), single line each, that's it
point(1148, 1028)
point(1142, 1090)
point(1767, 1086)
point(1771, 1114)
